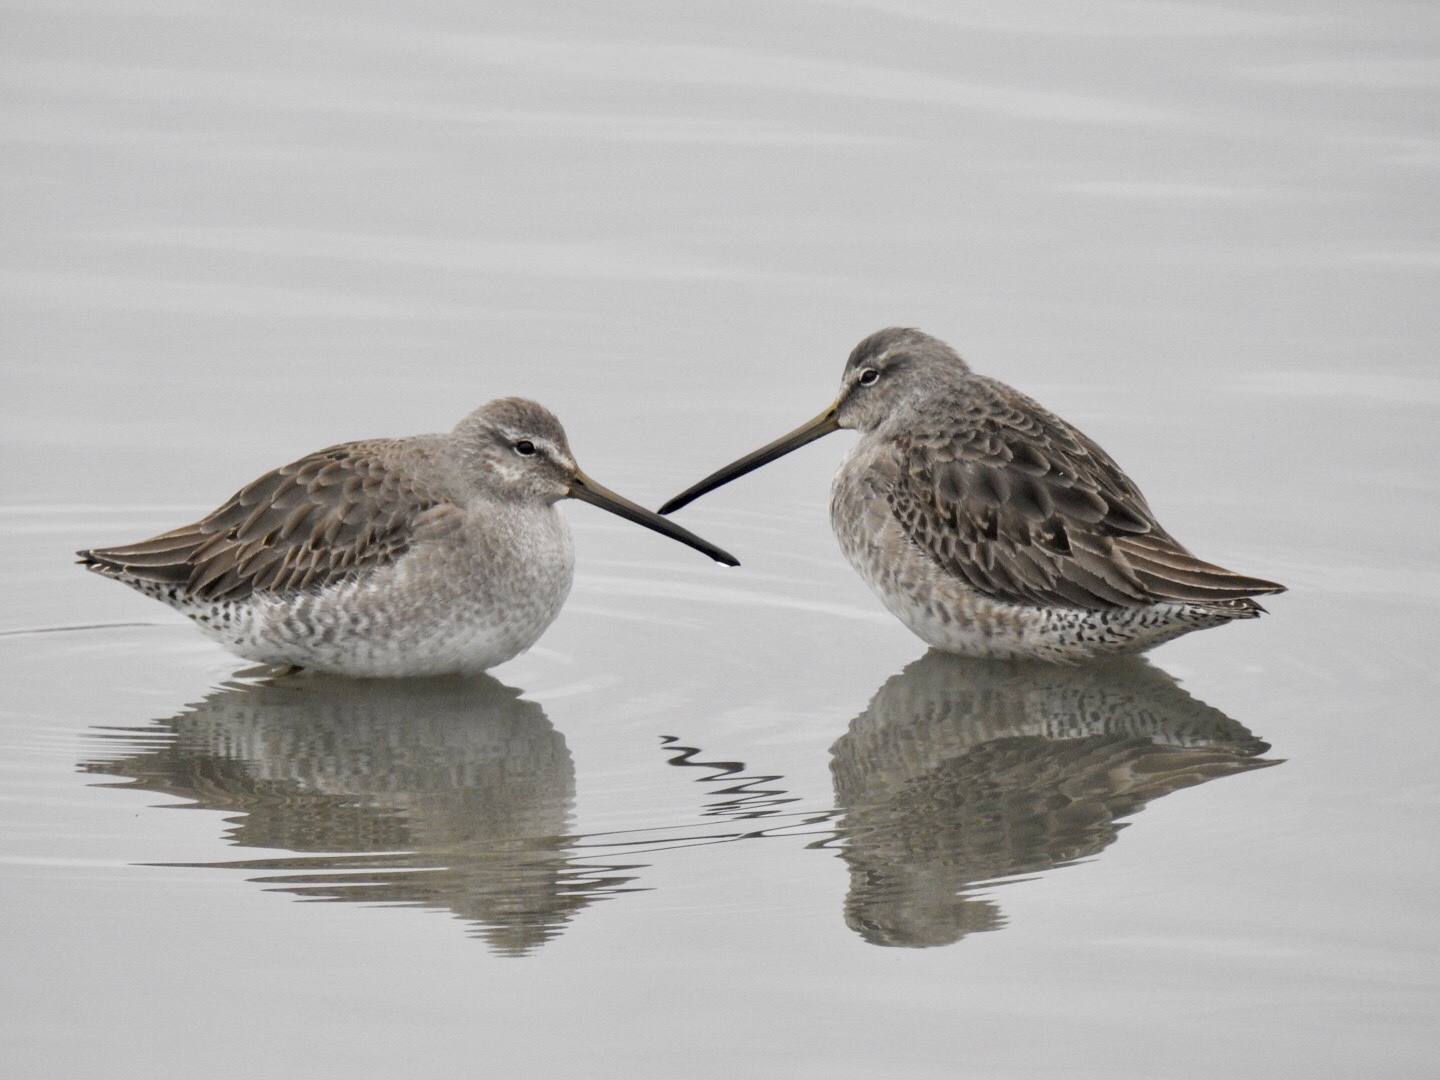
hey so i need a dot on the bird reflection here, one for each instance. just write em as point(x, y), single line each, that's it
point(452, 794)
point(961, 772)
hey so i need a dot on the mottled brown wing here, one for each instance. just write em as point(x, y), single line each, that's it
point(330, 516)
point(1026, 509)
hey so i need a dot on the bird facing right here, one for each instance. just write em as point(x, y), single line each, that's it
point(426, 555)
point(990, 526)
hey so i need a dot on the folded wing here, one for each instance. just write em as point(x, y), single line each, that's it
point(1026, 509)
point(331, 516)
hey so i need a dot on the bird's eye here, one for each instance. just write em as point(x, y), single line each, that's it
point(869, 377)
point(525, 448)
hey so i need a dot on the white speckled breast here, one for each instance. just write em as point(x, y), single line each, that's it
point(459, 605)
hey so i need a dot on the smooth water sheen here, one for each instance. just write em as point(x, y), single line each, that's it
point(720, 822)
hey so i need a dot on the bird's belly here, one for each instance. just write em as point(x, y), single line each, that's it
point(432, 612)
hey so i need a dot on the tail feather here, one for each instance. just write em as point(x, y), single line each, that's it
point(164, 559)
point(1171, 572)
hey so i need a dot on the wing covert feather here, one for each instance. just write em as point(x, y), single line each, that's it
point(330, 516)
point(1028, 510)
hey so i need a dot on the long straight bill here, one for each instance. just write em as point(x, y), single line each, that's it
point(587, 490)
point(808, 432)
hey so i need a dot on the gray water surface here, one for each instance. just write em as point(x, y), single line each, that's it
point(724, 822)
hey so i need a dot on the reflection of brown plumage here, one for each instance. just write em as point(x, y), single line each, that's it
point(452, 794)
point(961, 772)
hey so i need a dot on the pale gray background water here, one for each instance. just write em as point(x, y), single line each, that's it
point(1206, 233)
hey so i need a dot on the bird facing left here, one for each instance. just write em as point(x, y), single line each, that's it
point(427, 555)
